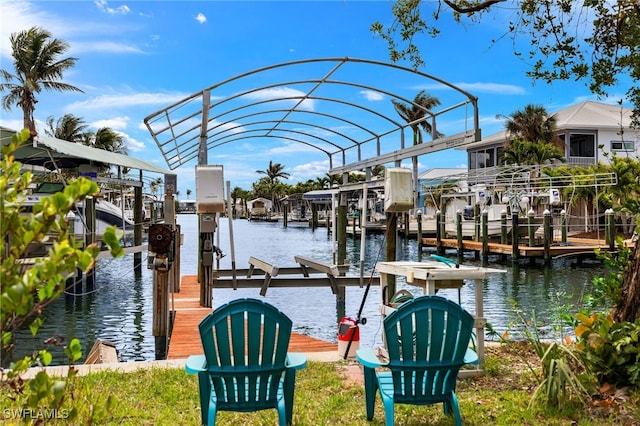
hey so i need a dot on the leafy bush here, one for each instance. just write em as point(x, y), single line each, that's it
point(29, 285)
point(609, 349)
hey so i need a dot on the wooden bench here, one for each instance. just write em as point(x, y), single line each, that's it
point(269, 270)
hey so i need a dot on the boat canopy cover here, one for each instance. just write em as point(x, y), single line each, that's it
point(55, 153)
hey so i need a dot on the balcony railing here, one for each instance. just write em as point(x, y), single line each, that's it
point(581, 161)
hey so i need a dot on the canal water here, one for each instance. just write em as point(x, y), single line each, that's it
point(120, 308)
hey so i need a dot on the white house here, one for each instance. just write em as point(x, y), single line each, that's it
point(589, 130)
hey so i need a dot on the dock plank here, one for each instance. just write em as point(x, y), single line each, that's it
point(185, 338)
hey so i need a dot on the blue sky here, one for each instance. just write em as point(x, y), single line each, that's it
point(137, 57)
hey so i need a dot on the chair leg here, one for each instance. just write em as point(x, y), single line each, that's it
point(370, 388)
point(451, 408)
point(289, 386)
point(282, 416)
point(204, 385)
point(213, 411)
point(389, 411)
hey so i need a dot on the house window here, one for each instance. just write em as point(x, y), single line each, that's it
point(626, 146)
point(482, 158)
point(582, 145)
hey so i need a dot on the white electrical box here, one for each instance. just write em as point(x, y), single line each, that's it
point(209, 189)
point(554, 196)
point(398, 190)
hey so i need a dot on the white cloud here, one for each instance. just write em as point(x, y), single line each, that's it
point(102, 46)
point(479, 87)
point(277, 93)
point(370, 95)
point(126, 100)
point(116, 123)
point(201, 18)
point(134, 145)
point(13, 124)
point(497, 88)
point(291, 148)
point(311, 170)
point(120, 10)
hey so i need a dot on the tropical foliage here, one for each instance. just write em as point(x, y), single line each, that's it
point(37, 67)
point(28, 287)
point(605, 56)
point(532, 138)
point(416, 114)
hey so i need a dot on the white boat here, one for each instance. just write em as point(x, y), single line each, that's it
point(107, 214)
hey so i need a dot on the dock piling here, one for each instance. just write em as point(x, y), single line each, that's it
point(548, 235)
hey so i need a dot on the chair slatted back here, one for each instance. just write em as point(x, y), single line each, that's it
point(245, 343)
point(427, 339)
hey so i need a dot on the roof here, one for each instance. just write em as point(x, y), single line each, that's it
point(588, 115)
point(55, 154)
point(440, 172)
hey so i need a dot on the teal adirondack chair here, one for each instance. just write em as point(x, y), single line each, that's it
point(427, 341)
point(245, 366)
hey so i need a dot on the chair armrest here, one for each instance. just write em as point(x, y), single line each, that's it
point(296, 360)
point(196, 364)
point(368, 358)
point(471, 357)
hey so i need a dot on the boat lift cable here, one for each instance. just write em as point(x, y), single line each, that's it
point(359, 319)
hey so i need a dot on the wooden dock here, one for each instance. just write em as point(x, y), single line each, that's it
point(574, 247)
point(185, 338)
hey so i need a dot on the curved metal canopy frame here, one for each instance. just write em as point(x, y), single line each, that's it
point(345, 113)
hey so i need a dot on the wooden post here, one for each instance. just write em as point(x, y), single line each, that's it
point(314, 216)
point(354, 224)
point(342, 251)
point(392, 226)
point(137, 228)
point(476, 217)
point(530, 228)
point(503, 227)
point(611, 230)
point(175, 269)
point(285, 210)
point(563, 221)
point(419, 235)
point(485, 235)
point(160, 326)
point(547, 236)
point(514, 236)
point(438, 232)
point(459, 233)
point(90, 218)
point(405, 216)
point(341, 225)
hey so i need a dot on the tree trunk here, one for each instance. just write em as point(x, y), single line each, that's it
point(628, 310)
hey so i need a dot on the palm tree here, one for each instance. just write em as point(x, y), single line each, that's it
point(37, 66)
point(414, 115)
point(523, 152)
point(107, 139)
point(188, 194)
point(68, 128)
point(274, 172)
point(532, 124)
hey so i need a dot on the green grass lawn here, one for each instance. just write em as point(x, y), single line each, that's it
point(326, 396)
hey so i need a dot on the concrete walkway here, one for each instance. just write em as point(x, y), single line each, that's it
point(126, 367)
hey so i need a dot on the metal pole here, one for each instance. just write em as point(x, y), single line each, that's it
point(363, 228)
point(231, 240)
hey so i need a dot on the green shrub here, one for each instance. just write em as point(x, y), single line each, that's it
point(610, 349)
point(27, 287)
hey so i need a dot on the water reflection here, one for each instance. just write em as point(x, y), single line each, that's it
point(120, 308)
